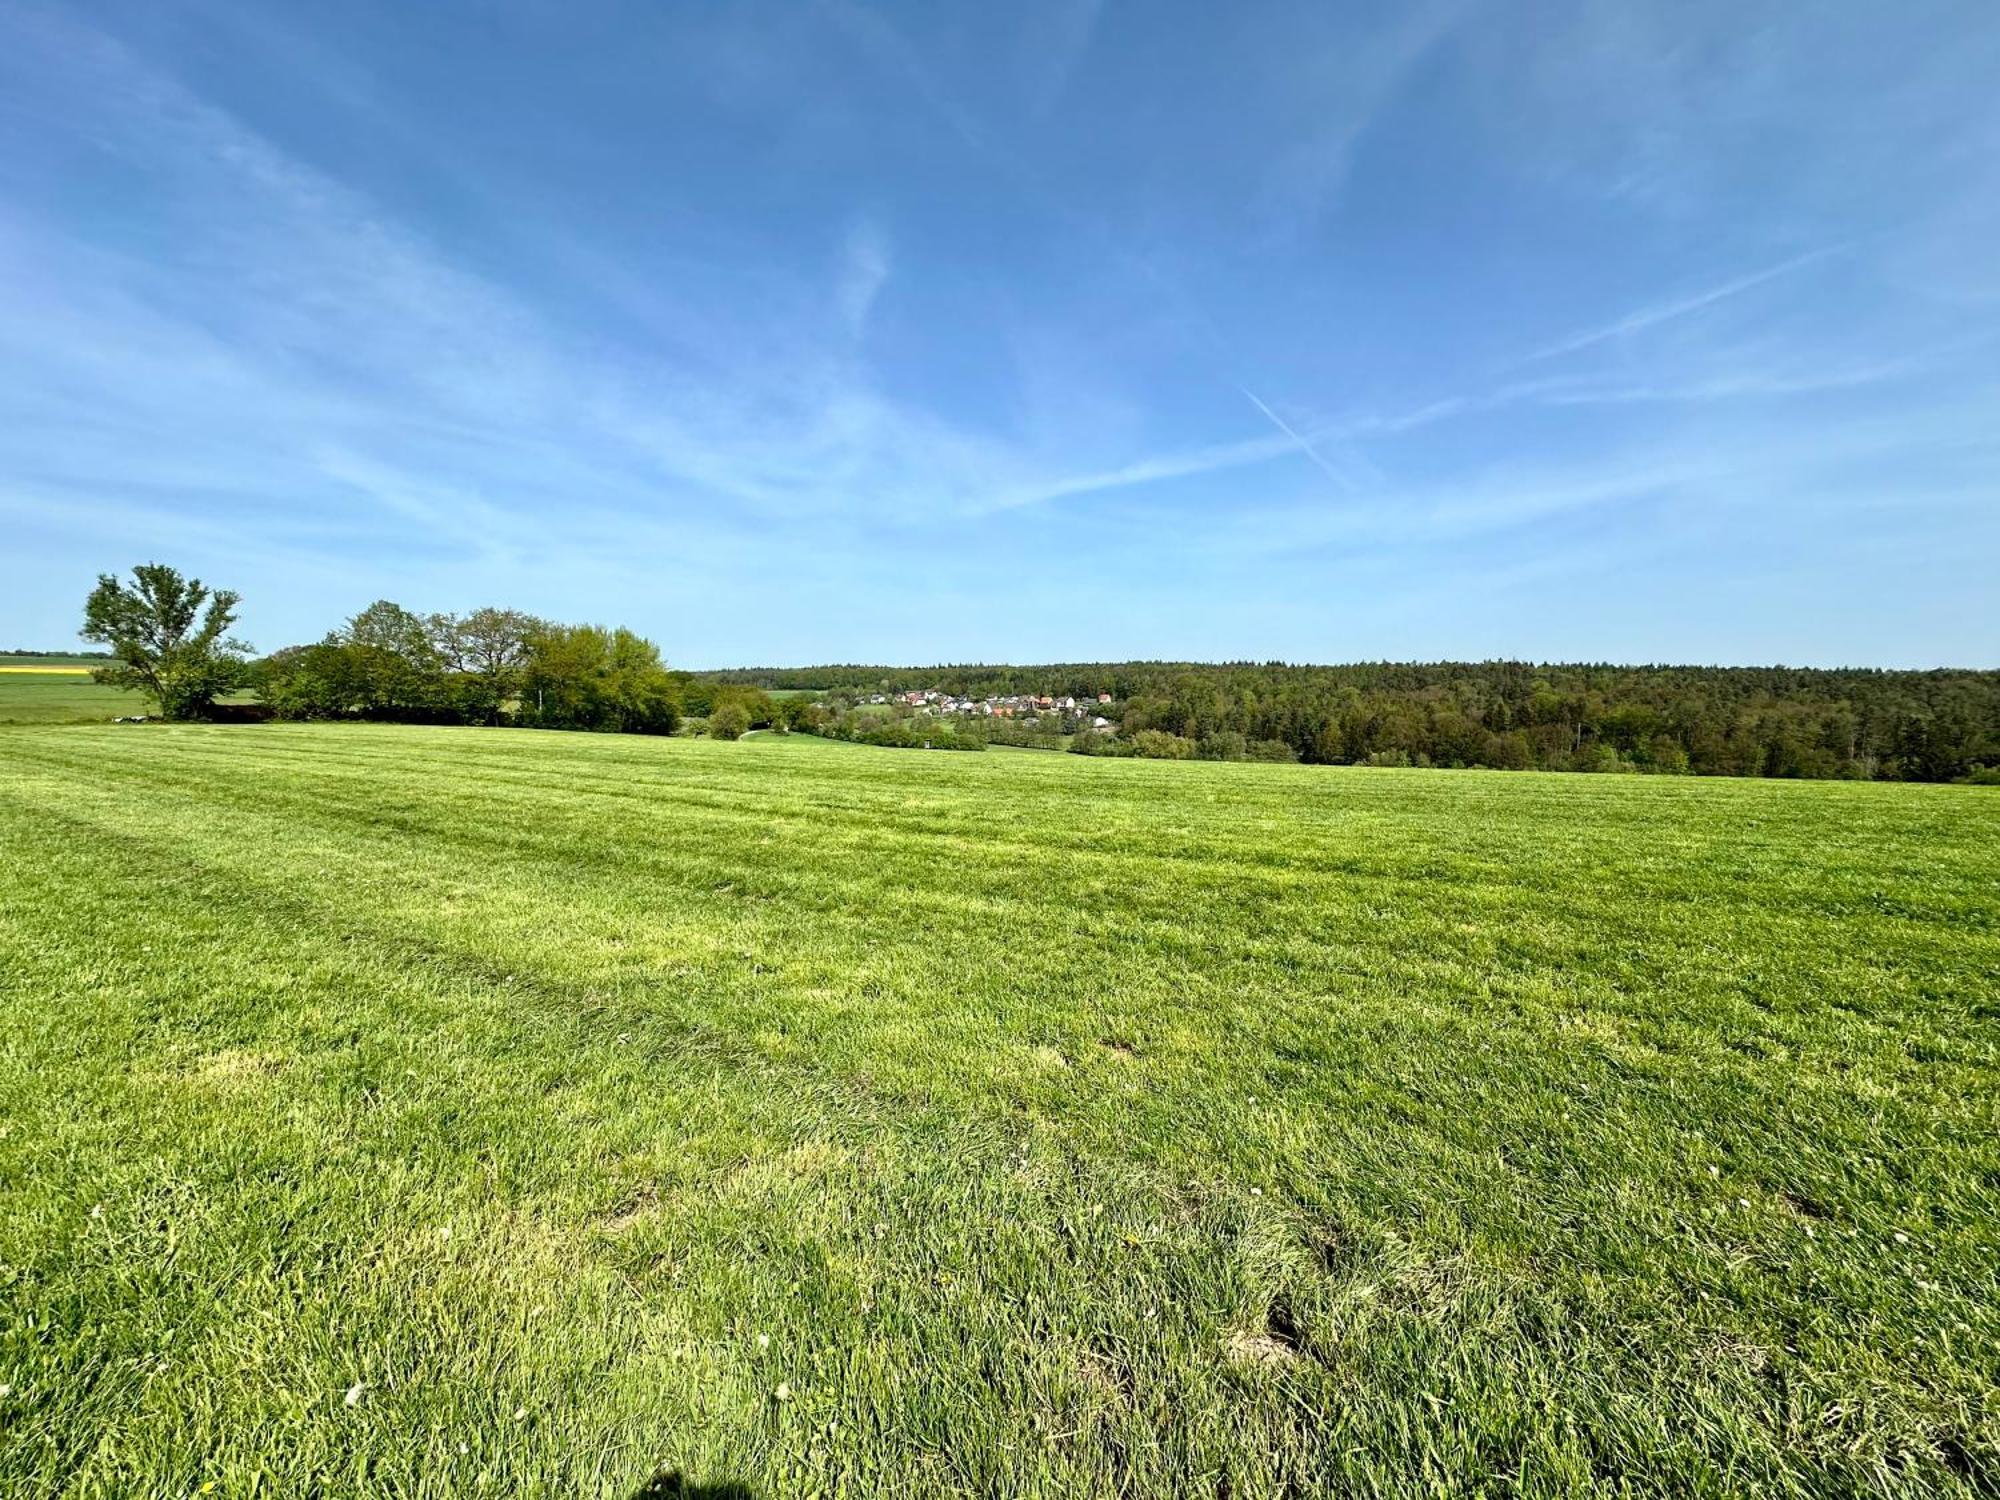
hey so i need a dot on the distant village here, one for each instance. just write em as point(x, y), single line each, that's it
point(1024, 707)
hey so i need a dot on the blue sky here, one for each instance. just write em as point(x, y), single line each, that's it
point(1062, 329)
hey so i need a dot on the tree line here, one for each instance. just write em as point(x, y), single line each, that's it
point(169, 638)
point(1716, 721)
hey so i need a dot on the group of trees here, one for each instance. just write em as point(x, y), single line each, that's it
point(490, 666)
point(1728, 721)
point(902, 731)
point(1161, 744)
point(169, 637)
point(727, 711)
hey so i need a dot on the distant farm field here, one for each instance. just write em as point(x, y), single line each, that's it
point(59, 692)
point(438, 1112)
point(41, 691)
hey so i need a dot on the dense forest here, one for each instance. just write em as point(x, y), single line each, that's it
point(1715, 721)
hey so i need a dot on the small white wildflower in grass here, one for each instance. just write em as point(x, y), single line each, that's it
point(1744, 1201)
point(97, 1211)
point(463, 1449)
point(1714, 1171)
point(1902, 1238)
point(354, 1394)
point(520, 1414)
point(763, 1341)
point(783, 1392)
point(445, 1232)
point(6, 1390)
point(1256, 1192)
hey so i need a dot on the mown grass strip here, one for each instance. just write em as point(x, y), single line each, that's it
point(1061, 1126)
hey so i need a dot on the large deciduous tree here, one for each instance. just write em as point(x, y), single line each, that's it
point(381, 664)
point(396, 663)
point(169, 635)
point(588, 677)
point(489, 650)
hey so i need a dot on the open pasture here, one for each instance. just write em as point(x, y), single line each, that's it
point(62, 692)
point(58, 692)
point(433, 1112)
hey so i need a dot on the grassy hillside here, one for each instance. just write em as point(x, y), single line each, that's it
point(406, 1111)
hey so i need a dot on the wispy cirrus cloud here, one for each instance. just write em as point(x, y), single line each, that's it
point(864, 271)
point(1060, 46)
point(310, 312)
point(1159, 298)
point(1342, 88)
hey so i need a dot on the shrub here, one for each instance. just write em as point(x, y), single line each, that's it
point(1600, 758)
point(1096, 742)
point(1157, 744)
point(802, 714)
point(1223, 744)
point(1512, 752)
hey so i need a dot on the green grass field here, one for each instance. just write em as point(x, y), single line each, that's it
point(60, 691)
point(57, 691)
point(391, 1111)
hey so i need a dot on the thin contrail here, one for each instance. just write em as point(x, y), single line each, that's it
point(1648, 317)
point(1344, 481)
point(886, 43)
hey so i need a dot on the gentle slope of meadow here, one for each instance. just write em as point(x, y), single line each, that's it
point(402, 1111)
